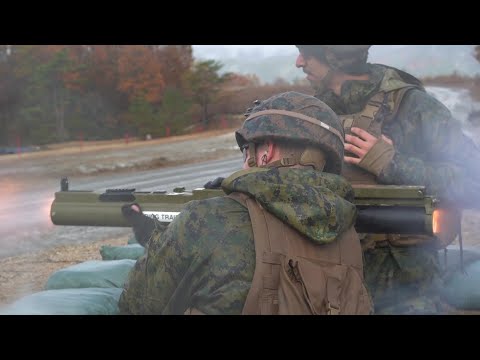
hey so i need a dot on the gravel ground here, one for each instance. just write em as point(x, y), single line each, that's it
point(27, 274)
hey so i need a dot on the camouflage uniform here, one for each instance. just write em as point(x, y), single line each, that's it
point(430, 150)
point(206, 257)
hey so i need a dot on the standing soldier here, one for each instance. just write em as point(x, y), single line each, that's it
point(396, 133)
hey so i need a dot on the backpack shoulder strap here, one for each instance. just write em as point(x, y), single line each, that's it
point(395, 99)
point(262, 297)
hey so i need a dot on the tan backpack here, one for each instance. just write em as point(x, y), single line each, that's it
point(294, 276)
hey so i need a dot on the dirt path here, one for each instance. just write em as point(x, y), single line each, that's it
point(116, 156)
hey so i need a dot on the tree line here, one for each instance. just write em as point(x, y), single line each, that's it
point(56, 93)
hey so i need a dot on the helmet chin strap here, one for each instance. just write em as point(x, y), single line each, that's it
point(310, 157)
point(252, 158)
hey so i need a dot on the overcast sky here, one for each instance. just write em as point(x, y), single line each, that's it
point(219, 51)
point(222, 51)
point(227, 51)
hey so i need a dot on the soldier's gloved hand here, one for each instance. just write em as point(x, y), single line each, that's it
point(214, 184)
point(142, 225)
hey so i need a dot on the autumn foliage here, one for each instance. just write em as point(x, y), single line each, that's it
point(56, 93)
point(52, 93)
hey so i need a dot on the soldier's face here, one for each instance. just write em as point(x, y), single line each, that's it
point(312, 67)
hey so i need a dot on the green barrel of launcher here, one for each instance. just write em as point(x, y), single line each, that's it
point(381, 208)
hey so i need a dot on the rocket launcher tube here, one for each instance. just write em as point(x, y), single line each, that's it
point(382, 209)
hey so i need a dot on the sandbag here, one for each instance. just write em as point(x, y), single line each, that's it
point(132, 251)
point(450, 261)
point(132, 240)
point(87, 301)
point(461, 289)
point(91, 274)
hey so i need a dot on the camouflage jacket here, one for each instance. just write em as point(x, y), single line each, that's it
point(430, 147)
point(205, 258)
point(430, 150)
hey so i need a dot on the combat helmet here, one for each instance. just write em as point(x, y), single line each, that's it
point(292, 117)
point(348, 58)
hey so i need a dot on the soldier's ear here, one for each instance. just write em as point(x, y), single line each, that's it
point(270, 150)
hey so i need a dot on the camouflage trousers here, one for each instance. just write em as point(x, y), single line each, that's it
point(403, 280)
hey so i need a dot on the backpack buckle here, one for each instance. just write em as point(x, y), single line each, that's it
point(332, 310)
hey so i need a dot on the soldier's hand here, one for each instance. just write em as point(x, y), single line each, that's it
point(360, 144)
point(214, 184)
point(373, 154)
point(142, 225)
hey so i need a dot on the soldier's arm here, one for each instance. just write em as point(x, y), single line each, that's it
point(446, 160)
point(159, 284)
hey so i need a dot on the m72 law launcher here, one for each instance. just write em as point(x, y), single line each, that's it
point(381, 209)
